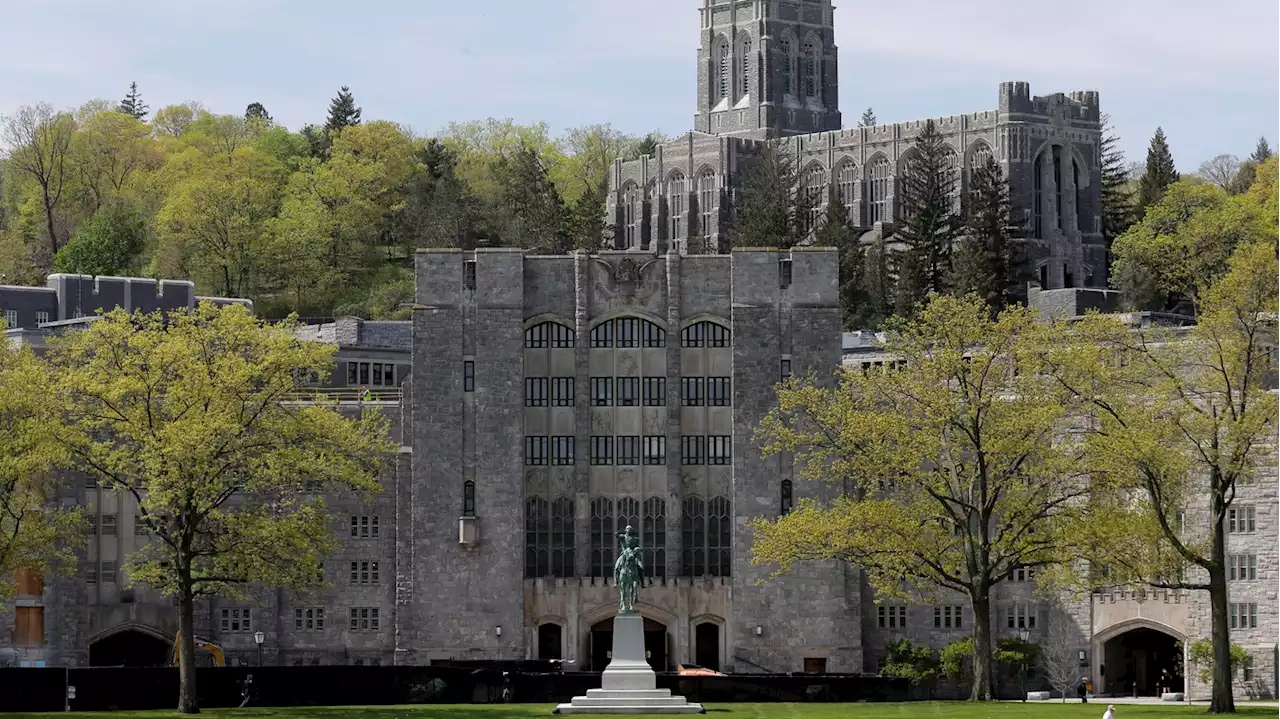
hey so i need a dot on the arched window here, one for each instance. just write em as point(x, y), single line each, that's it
point(537, 538)
point(951, 179)
point(788, 66)
point(548, 334)
point(1037, 203)
point(602, 537)
point(676, 195)
point(693, 530)
point(654, 537)
point(704, 334)
point(979, 153)
point(562, 537)
point(719, 537)
point(631, 212)
point(813, 186)
point(708, 199)
point(723, 71)
point(847, 183)
point(468, 499)
point(809, 68)
point(746, 66)
point(627, 332)
point(787, 501)
point(878, 190)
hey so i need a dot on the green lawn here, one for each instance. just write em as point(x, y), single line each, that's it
point(950, 710)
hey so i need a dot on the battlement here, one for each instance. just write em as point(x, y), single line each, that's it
point(1016, 98)
point(69, 296)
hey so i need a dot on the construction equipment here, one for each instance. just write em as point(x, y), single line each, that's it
point(213, 649)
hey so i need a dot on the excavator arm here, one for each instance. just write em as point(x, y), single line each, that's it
point(219, 660)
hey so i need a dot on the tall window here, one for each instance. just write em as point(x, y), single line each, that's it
point(708, 200)
point(788, 66)
point(809, 68)
point(813, 186)
point(978, 157)
point(468, 499)
point(562, 537)
point(602, 537)
point(1037, 207)
point(951, 180)
point(676, 195)
point(723, 71)
point(847, 182)
point(654, 537)
point(706, 528)
point(537, 538)
point(719, 536)
point(788, 501)
point(631, 212)
point(746, 66)
point(878, 190)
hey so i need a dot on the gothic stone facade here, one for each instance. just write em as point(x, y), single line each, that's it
point(767, 72)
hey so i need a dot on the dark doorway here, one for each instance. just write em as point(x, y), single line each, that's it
point(655, 644)
point(1144, 660)
point(706, 645)
point(130, 648)
point(549, 641)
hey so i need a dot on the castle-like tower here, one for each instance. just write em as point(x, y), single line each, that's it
point(766, 69)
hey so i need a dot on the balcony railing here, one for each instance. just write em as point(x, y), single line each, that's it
point(348, 395)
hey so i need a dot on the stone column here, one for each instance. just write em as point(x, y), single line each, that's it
point(582, 413)
point(673, 494)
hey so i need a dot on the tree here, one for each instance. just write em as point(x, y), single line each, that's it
point(930, 220)
point(1261, 152)
point(1221, 171)
point(173, 120)
point(110, 243)
point(868, 118)
point(875, 287)
point(1177, 423)
point(343, 113)
point(187, 414)
point(952, 471)
point(955, 661)
point(39, 143)
point(769, 207)
point(989, 256)
point(1249, 168)
point(438, 209)
point(1159, 173)
point(836, 231)
point(916, 663)
point(1117, 199)
point(645, 146)
point(132, 104)
point(110, 152)
point(1059, 656)
point(533, 213)
point(256, 111)
point(1202, 654)
point(36, 533)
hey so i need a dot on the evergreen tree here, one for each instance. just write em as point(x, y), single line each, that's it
point(868, 118)
point(1159, 175)
point(875, 289)
point(342, 111)
point(1262, 152)
point(1249, 168)
point(438, 210)
point(646, 145)
point(930, 221)
point(1117, 201)
point(768, 208)
point(255, 111)
point(132, 103)
point(836, 231)
point(531, 213)
point(989, 255)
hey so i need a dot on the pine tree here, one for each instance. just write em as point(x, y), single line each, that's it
point(256, 111)
point(1249, 168)
point(132, 103)
point(930, 221)
point(868, 118)
point(1159, 175)
point(766, 212)
point(1262, 152)
point(1117, 201)
point(532, 212)
point(836, 231)
point(875, 288)
point(989, 256)
point(342, 112)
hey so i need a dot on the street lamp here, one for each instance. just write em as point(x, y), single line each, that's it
point(259, 638)
point(1024, 634)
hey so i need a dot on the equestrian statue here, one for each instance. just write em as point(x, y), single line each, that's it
point(628, 571)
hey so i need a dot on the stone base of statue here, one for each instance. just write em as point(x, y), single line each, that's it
point(628, 685)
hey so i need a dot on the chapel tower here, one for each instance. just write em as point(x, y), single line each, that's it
point(767, 68)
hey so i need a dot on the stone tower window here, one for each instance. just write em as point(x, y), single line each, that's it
point(746, 66)
point(631, 213)
point(602, 537)
point(846, 182)
point(653, 537)
point(708, 197)
point(813, 187)
point(978, 157)
point(676, 195)
point(878, 190)
point(723, 71)
point(809, 68)
point(562, 537)
point(705, 529)
point(788, 66)
point(537, 538)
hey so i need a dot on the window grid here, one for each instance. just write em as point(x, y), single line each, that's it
point(562, 538)
point(655, 449)
point(364, 526)
point(537, 538)
point(628, 450)
point(788, 64)
point(627, 332)
point(708, 199)
point(810, 69)
point(601, 450)
point(654, 537)
point(718, 394)
point(631, 212)
point(691, 391)
point(237, 619)
point(109, 525)
point(535, 451)
point(601, 391)
point(892, 616)
point(676, 196)
point(563, 450)
point(719, 449)
point(309, 619)
point(1242, 520)
point(693, 449)
point(562, 391)
point(847, 183)
point(705, 334)
point(602, 335)
point(1242, 567)
point(746, 66)
point(628, 391)
point(878, 190)
point(535, 391)
point(364, 619)
point(42, 317)
point(1243, 615)
point(364, 572)
point(376, 374)
point(655, 391)
point(602, 537)
point(1021, 616)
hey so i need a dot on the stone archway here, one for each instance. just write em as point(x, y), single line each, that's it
point(130, 645)
point(1139, 656)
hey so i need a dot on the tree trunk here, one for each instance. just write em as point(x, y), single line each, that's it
point(48, 218)
point(982, 680)
point(187, 701)
point(1222, 701)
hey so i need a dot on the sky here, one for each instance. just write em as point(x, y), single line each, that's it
point(1207, 72)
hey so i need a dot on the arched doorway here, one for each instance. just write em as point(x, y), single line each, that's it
point(655, 644)
point(706, 645)
point(1143, 659)
point(550, 641)
point(130, 648)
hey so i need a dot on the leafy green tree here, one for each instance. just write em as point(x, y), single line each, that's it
point(173, 120)
point(909, 661)
point(1202, 655)
point(110, 243)
point(439, 209)
point(955, 661)
point(990, 254)
point(113, 154)
point(533, 215)
point(868, 118)
point(1159, 174)
point(769, 206)
point(39, 142)
point(1221, 171)
point(875, 288)
point(1017, 659)
point(1117, 199)
point(132, 104)
point(187, 415)
point(645, 146)
point(953, 473)
point(1249, 167)
point(256, 111)
point(930, 220)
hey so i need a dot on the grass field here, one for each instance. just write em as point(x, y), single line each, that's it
point(949, 710)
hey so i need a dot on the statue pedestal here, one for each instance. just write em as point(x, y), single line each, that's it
point(628, 685)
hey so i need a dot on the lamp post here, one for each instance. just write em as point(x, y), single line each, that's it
point(259, 638)
point(1024, 635)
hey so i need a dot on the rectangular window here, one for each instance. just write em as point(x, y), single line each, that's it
point(309, 619)
point(717, 335)
point(42, 317)
point(109, 571)
point(628, 450)
point(693, 450)
point(468, 274)
point(691, 391)
point(655, 449)
point(602, 335)
point(91, 574)
point(237, 619)
point(628, 332)
point(1243, 615)
point(109, 525)
point(784, 274)
point(1242, 520)
point(388, 374)
point(892, 616)
point(377, 373)
point(786, 369)
point(364, 373)
point(655, 391)
point(1021, 616)
point(364, 526)
point(1020, 575)
point(364, 572)
point(140, 528)
point(535, 451)
point(1242, 567)
point(352, 368)
point(718, 392)
point(364, 619)
point(948, 617)
point(468, 499)
point(601, 391)
point(654, 336)
point(11, 318)
point(468, 376)
point(719, 449)
point(601, 450)
point(535, 391)
point(562, 450)
point(562, 391)
point(628, 391)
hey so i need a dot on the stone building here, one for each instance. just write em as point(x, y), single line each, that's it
point(767, 72)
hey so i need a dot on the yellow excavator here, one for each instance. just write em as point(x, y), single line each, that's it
point(213, 649)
